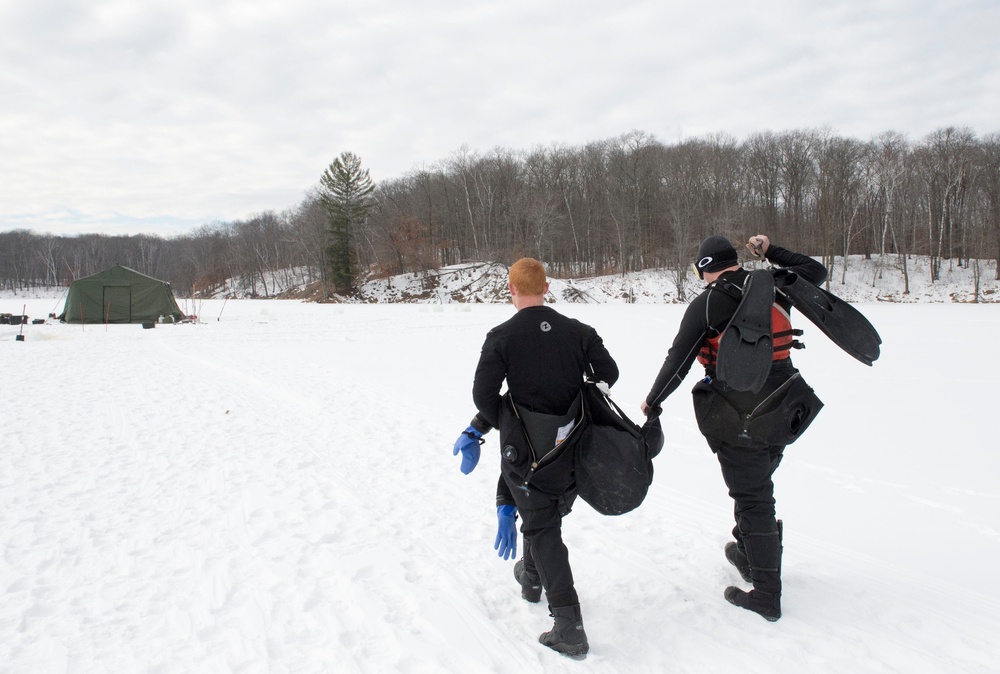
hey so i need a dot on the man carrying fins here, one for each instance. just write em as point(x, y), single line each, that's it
point(752, 401)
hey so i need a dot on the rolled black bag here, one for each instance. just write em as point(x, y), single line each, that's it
point(652, 434)
point(786, 414)
point(614, 465)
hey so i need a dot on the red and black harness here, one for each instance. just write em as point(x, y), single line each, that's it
point(782, 333)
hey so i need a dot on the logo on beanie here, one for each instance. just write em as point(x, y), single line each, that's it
point(704, 262)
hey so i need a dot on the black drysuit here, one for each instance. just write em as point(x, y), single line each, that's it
point(749, 467)
point(544, 357)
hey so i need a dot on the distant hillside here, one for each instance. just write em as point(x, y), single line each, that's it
point(861, 281)
point(873, 280)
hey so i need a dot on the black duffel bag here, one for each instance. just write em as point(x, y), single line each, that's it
point(613, 461)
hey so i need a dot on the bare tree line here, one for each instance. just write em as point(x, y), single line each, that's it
point(613, 206)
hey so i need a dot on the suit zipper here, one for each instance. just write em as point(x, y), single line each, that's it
point(535, 462)
point(750, 415)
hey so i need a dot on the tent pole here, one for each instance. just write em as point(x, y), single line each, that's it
point(24, 319)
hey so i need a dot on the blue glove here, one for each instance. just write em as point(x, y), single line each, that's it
point(506, 543)
point(468, 443)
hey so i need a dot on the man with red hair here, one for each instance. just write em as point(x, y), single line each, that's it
point(544, 357)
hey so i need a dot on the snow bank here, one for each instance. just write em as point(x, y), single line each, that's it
point(872, 280)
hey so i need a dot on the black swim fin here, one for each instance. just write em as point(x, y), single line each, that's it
point(843, 324)
point(746, 348)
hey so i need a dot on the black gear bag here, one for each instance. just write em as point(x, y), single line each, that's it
point(613, 462)
point(778, 417)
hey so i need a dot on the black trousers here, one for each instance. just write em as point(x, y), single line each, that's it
point(748, 474)
point(545, 553)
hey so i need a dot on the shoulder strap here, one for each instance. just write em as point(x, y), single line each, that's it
point(603, 411)
point(727, 287)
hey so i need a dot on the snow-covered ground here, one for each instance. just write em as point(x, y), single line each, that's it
point(273, 490)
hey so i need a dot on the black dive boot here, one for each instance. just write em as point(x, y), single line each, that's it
point(767, 604)
point(531, 584)
point(764, 558)
point(738, 558)
point(527, 575)
point(567, 635)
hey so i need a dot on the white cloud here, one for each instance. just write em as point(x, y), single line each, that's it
point(193, 112)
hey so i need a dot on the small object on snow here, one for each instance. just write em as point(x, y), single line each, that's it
point(24, 319)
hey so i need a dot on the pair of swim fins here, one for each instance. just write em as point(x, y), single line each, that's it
point(746, 347)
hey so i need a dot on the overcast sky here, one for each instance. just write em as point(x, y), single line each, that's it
point(150, 116)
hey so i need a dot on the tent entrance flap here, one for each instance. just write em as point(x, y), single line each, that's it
point(117, 304)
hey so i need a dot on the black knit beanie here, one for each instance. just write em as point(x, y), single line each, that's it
point(715, 254)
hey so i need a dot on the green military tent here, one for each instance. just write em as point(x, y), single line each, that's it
point(119, 295)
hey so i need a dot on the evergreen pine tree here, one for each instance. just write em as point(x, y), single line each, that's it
point(345, 192)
